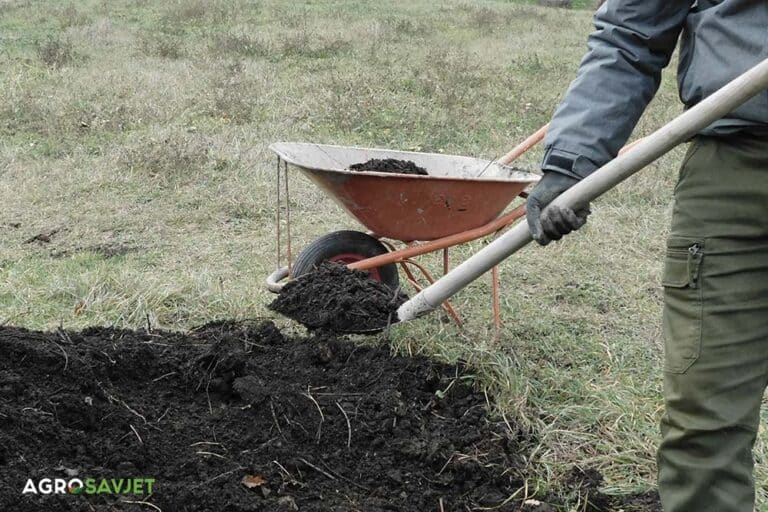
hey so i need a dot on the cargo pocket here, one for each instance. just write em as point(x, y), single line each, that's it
point(682, 318)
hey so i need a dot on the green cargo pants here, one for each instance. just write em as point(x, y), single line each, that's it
point(716, 326)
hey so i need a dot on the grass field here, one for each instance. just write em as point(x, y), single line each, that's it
point(134, 134)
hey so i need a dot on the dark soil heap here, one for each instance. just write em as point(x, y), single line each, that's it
point(340, 300)
point(390, 165)
point(237, 417)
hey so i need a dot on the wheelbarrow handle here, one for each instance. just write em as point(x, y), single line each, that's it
point(537, 137)
point(677, 131)
point(524, 146)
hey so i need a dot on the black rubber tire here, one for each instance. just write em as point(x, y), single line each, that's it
point(345, 242)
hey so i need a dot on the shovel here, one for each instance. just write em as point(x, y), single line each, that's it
point(611, 174)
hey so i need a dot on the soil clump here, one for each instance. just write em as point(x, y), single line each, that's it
point(340, 300)
point(390, 165)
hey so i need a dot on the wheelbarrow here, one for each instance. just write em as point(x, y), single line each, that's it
point(460, 200)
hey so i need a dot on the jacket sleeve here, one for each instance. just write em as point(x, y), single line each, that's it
point(618, 77)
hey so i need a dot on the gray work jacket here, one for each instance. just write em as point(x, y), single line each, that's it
point(621, 72)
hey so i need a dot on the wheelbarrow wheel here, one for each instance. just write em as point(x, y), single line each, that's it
point(346, 247)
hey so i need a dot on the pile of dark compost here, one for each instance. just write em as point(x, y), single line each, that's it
point(390, 165)
point(238, 417)
point(337, 299)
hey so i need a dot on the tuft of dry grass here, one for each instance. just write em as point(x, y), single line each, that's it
point(70, 16)
point(487, 18)
point(309, 44)
point(162, 45)
point(168, 160)
point(563, 4)
point(231, 44)
point(56, 52)
point(404, 27)
point(181, 12)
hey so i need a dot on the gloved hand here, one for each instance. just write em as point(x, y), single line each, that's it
point(555, 222)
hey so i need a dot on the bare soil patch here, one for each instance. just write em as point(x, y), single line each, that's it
point(239, 417)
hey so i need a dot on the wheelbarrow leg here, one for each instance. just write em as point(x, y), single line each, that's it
point(277, 214)
point(445, 261)
point(415, 283)
point(282, 188)
point(496, 301)
point(287, 217)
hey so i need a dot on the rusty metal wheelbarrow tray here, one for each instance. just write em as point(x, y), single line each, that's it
point(459, 194)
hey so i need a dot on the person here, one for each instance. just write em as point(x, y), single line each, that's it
point(715, 275)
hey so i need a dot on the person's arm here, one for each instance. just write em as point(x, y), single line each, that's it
point(617, 79)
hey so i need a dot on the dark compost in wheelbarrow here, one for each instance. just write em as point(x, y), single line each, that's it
point(238, 417)
point(340, 300)
point(390, 165)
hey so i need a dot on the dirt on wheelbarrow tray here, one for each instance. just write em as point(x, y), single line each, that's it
point(390, 165)
point(239, 417)
point(337, 299)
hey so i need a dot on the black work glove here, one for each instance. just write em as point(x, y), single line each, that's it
point(554, 222)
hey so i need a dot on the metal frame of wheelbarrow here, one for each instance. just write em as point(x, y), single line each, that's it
point(405, 256)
